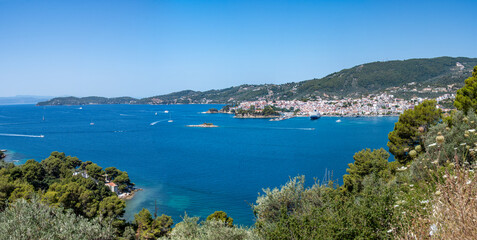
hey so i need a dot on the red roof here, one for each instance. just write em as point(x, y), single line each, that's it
point(111, 184)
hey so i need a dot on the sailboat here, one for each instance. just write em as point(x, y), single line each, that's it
point(170, 119)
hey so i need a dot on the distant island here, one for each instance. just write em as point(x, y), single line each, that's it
point(421, 78)
point(204, 125)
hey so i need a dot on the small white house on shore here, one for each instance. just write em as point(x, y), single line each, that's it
point(112, 186)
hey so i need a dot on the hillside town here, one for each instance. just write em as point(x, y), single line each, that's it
point(372, 105)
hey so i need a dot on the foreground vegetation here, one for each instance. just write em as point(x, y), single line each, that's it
point(428, 192)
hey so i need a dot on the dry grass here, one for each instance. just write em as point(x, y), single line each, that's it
point(453, 210)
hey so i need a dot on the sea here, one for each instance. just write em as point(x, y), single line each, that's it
point(186, 170)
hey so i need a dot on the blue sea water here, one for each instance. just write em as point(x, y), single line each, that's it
point(193, 170)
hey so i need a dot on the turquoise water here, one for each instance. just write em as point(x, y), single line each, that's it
point(193, 170)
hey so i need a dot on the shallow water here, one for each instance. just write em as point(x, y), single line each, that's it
point(193, 170)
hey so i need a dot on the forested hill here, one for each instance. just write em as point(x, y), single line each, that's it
point(360, 80)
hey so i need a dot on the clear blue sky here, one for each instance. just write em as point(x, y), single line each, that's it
point(144, 48)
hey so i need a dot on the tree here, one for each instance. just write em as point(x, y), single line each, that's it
point(149, 228)
point(33, 173)
point(112, 172)
point(112, 207)
point(366, 162)
point(95, 171)
point(411, 126)
point(123, 181)
point(466, 97)
point(222, 217)
point(35, 220)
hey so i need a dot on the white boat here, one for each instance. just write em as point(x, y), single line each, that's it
point(80, 108)
point(42, 136)
point(170, 121)
point(166, 111)
point(338, 121)
point(155, 113)
point(91, 123)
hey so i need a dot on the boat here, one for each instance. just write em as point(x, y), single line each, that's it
point(314, 115)
point(80, 108)
point(338, 121)
point(166, 111)
point(155, 113)
point(170, 120)
point(91, 123)
point(42, 136)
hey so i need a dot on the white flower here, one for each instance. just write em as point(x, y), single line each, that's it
point(411, 185)
point(395, 206)
point(468, 182)
point(445, 176)
point(390, 231)
point(471, 130)
point(435, 162)
point(432, 145)
point(424, 201)
point(463, 144)
point(433, 229)
point(401, 169)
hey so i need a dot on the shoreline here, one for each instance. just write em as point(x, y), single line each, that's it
point(129, 196)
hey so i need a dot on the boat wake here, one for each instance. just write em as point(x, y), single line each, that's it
point(156, 122)
point(21, 135)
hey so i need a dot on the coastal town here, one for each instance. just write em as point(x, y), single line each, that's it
point(371, 105)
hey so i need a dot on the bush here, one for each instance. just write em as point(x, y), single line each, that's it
point(36, 220)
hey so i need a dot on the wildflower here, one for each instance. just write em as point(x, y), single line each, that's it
point(435, 162)
point(471, 130)
point(390, 230)
point(434, 144)
point(463, 144)
point(411, 185)
point(395, 206)
point(440, 139)
point(424, 201)
point(468, 182)
point(445, 176)
point(418, 148)
point(401, 169)
point(433, 229)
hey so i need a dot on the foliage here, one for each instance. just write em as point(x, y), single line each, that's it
point(459, 138)
point(366, 162)
point(466, 97)
point(411, 126)
point(149, 228)
point(221, 216)
point(325, 212)
point(191, 229)
point(36, 220)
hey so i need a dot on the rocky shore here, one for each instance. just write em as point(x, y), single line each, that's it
point(130, 195)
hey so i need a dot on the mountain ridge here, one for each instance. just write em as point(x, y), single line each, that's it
point(363, 79)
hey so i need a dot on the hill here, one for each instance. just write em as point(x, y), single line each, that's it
point(405, 78)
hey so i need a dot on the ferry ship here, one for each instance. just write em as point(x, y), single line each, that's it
point(315, 115)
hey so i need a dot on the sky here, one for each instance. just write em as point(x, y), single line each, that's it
point(144, 48)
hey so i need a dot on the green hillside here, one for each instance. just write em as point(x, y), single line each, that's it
point(406, 78)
